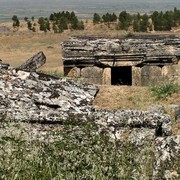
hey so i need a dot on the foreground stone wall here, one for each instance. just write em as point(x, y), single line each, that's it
point(152, 59)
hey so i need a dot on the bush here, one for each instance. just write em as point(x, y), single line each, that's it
point(164, 91)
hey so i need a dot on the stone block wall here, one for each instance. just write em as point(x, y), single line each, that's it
point(147, 60)
point(141, 76)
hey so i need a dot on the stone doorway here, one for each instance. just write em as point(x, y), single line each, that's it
point(121, 75)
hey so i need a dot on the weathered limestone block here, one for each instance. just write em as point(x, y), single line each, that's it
point(107, 76)
point(175, 111)
point(136, 136)
point(166, 158)
point(151, 75)
point(33, 63)
point(136, 76)
point(156, 109)
point(74, 73)
point(147, 51)
point(123, 63)
point(170, 73)
point(3, 65)
point(31, 96)
point(94, 74)
point(115, 120)
point(70, 53)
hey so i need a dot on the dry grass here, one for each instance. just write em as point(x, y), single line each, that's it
point(18, 46)
point(123, 97)
point(129, 97)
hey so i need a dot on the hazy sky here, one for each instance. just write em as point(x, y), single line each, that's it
point(90, 1)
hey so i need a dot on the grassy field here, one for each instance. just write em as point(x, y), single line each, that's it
point(18, 46)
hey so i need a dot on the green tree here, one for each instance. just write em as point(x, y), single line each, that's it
point(41, 20)
point(164, 21)
point(106, 17)
point(113, 17)
point(168, 20)
point(16, 22)
point(125, 20)
point(47, 25)
point(176, 17)
point(109, 17)
point(155, 19)
point(55, 29)
point(74, 23)
point(63, 20)
point(14, 18)
point(29, 25)
point(144, 23)
point(26, 19)
point(60, 28)
point(72, 16)
point(43, 24)
point(52, 17)
point(63, 23)
point(42, 27)
point(96, 18)
point(136, 26)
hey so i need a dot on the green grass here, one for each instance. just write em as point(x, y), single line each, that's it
point(161, 92)
point(74, 152)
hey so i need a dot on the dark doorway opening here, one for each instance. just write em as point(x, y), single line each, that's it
point(121, 75)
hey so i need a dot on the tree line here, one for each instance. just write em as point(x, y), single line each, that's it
point(60, 21)
point(158, 21)
point(65, 20)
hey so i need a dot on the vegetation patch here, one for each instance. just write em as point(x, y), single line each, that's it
point(164, 91)
point(73, 152)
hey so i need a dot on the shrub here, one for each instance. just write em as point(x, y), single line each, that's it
point(164, 91)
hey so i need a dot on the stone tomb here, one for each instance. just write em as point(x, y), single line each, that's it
point(140, 60)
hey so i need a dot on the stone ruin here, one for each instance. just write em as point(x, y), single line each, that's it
point(140, 60)
point(34, 100)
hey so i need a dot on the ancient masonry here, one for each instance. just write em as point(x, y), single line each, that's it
point(33, 102)
point(138, 60)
